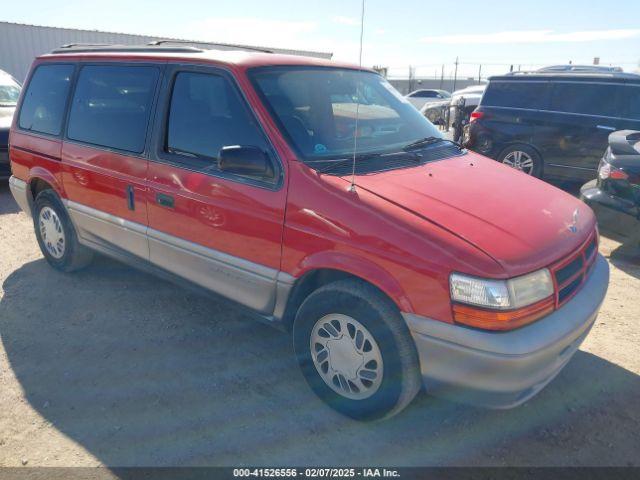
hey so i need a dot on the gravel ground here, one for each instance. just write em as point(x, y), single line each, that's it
point(114, 367)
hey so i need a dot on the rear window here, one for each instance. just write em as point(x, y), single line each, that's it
point(44, 102)
point(586, 98)
point(111, 106)
point(516, 94)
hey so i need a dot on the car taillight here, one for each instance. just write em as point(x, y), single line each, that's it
point(475, 115)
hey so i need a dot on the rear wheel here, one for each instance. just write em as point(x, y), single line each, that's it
point(56, 236)
point(355, 350)
point(522, 158)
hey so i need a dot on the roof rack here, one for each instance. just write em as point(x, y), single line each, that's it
point(101, 47)
point(574, 73)
point(214, 44)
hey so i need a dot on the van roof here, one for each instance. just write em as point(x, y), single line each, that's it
point(246, 57)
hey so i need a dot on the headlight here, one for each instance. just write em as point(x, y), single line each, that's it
point(501, 294)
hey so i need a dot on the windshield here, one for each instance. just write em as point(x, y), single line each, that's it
point(316, 107)
point(9, 91)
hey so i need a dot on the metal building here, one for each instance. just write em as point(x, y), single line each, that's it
point(19, 44)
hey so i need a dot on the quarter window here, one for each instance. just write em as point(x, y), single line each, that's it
point(44, 101)
point(111, 106)
point(587, 98)
point(520, 94)
point(205, 115)
point(631, 101)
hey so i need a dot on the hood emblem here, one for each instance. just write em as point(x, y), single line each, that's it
point(573, 228)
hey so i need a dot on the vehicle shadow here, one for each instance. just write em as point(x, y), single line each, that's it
point(142, 373)
point(7, 203)
point(624, 230)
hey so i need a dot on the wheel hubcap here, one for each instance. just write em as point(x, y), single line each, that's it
point(51, 232)
point(346, 356)
point(520, 161)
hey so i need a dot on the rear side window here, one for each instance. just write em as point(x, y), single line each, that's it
point(586, 98)
point(111, 106)
point(631, 102)
point(44, 101)
point(205, 115)
point(531, 95)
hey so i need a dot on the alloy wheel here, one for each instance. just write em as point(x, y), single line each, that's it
point(520, 161)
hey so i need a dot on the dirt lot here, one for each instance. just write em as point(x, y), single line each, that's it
point(113, 367)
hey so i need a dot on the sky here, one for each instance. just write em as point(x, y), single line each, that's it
point(397, 34)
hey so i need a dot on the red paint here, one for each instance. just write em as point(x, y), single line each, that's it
point(404, 231)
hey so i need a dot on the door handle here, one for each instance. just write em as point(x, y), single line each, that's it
point(165, 200)
point(131, 205)
point(606, 127)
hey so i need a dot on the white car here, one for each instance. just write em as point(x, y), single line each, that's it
point(420, 98)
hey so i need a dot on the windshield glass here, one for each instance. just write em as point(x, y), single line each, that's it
point(316, 107)
point(9, 91)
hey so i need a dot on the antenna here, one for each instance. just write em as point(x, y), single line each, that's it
point(352, 188)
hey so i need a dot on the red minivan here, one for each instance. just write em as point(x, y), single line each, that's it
point(315, 195)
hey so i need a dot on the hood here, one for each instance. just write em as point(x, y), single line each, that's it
point(519, 221)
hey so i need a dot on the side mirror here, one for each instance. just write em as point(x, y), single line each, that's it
point(245, 160)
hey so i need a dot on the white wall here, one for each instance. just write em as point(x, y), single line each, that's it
point(20, 44)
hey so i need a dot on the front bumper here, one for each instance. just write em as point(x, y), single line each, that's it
point(20, 193)
point(505, 369)
point(592, 195)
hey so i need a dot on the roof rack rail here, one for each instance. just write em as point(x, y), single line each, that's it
point(214, 44)
point(103, 47)
point(575, 74)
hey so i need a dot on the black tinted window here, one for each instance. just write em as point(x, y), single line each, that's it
point(631, 102)
point(425, 94)
point(516, 94)
point(585, 98)
point(111, 106)
point(207, 114)
point(45, 99)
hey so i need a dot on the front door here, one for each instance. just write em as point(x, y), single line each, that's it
point(218, 230)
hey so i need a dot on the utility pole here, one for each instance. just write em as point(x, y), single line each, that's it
point(455, 76)
point(480, 73)
point(442, 77)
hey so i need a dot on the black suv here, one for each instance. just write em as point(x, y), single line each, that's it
point(554, 125)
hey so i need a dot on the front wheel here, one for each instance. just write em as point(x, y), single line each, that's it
point(355, 350)
point(522, 158)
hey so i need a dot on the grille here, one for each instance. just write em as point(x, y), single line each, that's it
point(569, 274)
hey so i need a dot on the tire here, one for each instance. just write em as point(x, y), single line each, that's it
point(509, 157)
point(51, 222)
point(397, 376)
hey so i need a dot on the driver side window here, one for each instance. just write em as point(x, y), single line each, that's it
point(205, 114)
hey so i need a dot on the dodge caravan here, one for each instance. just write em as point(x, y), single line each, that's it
point(400, 266)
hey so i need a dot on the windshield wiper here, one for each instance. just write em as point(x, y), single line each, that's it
point(425, 142)
point(368, 156)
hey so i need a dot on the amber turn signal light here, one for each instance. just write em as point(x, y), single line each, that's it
point(502, 319)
